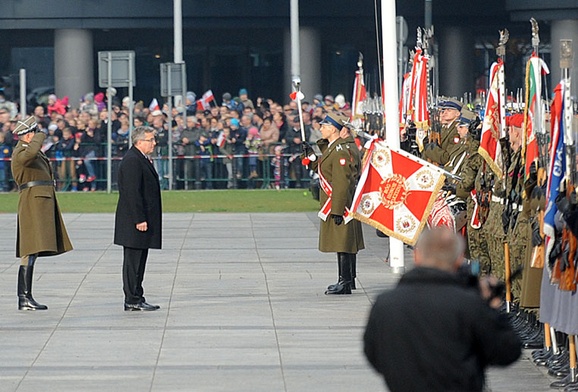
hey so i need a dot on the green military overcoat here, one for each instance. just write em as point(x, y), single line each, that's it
point(339, 165)
point(440, 154)
point(40, 227)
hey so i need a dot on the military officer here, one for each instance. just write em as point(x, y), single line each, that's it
point(465, 162)
point(346, 135)
point(40, 227)
point(338, 167)
point(449, 114)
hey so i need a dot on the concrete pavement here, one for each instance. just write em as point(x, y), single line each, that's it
point(242, 309)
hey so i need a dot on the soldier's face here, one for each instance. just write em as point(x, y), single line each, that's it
point(449, 115)
point(462, 131)
point(327, 130)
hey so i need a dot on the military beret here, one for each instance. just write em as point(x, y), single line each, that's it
point(25, 126)
point(515, 120)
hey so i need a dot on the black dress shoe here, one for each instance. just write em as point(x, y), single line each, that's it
point(141, 306)
point(562, 383)
point(340, 288)
point(156, 307)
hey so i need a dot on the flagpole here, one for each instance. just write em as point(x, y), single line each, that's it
point(389, 53)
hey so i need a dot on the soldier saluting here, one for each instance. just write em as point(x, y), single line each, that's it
point(40, 229)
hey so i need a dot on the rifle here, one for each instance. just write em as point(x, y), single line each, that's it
point(566, 262)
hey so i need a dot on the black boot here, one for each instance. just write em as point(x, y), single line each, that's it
point(333, 286)
point(344, 284)
point(353, 259)
point(25, 299)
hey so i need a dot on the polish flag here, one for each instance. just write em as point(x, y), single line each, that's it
point(221, 140)
point(205, 102)
point(154, 105)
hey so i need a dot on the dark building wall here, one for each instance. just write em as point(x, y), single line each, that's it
point(230, 44)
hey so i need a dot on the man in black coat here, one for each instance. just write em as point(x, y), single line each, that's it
point(138, 219)
point(433, 332)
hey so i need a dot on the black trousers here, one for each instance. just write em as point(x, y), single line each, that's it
point(133, 270)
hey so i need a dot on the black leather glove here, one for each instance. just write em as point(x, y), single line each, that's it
point(537, 239)
point(556, 250)
point(307, 149)
point(306, 152)
point(564, 204)
point(565, 257)
point(338, 219)
point(449, 188)
point(506, 219)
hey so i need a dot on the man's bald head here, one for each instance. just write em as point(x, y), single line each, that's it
point(439, 248)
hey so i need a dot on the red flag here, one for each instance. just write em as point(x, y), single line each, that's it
point(396, 192)
point(534, 121)
point(405, 96)
point(418, 103)
point(493, 128)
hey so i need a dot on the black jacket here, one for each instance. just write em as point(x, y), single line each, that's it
point(139, 201)
point(432, 333)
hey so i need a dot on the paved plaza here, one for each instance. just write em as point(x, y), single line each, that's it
point(242, 309)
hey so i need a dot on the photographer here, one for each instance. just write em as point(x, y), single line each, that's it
point(433, 332)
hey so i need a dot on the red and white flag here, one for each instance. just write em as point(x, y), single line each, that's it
point(418, 104)
point(534, 121)
point(396, 192)
point(221, 139)
point(405, 97)
point(154, 105)
point(494, 126)
point(413, 102)
point(205, 102)
point(359, 95)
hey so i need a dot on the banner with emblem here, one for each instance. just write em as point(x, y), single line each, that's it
point(534, 121)
point(359, 94)
point(556, 167)
point(494, 125)
point(396, 192)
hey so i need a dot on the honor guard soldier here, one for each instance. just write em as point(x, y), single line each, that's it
point(40, 229)
point(465, 162)
point(437, 151)
point(338, 168)
point(514, 219)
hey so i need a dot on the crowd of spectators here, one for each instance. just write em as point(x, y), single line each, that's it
point(239, 144)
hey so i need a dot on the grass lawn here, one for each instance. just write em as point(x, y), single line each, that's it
point(289, 200)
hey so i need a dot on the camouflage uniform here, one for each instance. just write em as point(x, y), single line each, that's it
point(518, 233)
point(477, 247)
point(493, 228)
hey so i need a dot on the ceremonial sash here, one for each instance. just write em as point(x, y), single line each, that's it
point(326, 209)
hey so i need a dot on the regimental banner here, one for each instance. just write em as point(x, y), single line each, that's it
point(396, 192)
point(359, 95)
point(556, 167)
point(533, 113)
point(494, 125)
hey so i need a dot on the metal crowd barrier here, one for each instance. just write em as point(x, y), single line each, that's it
point(271, 171)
